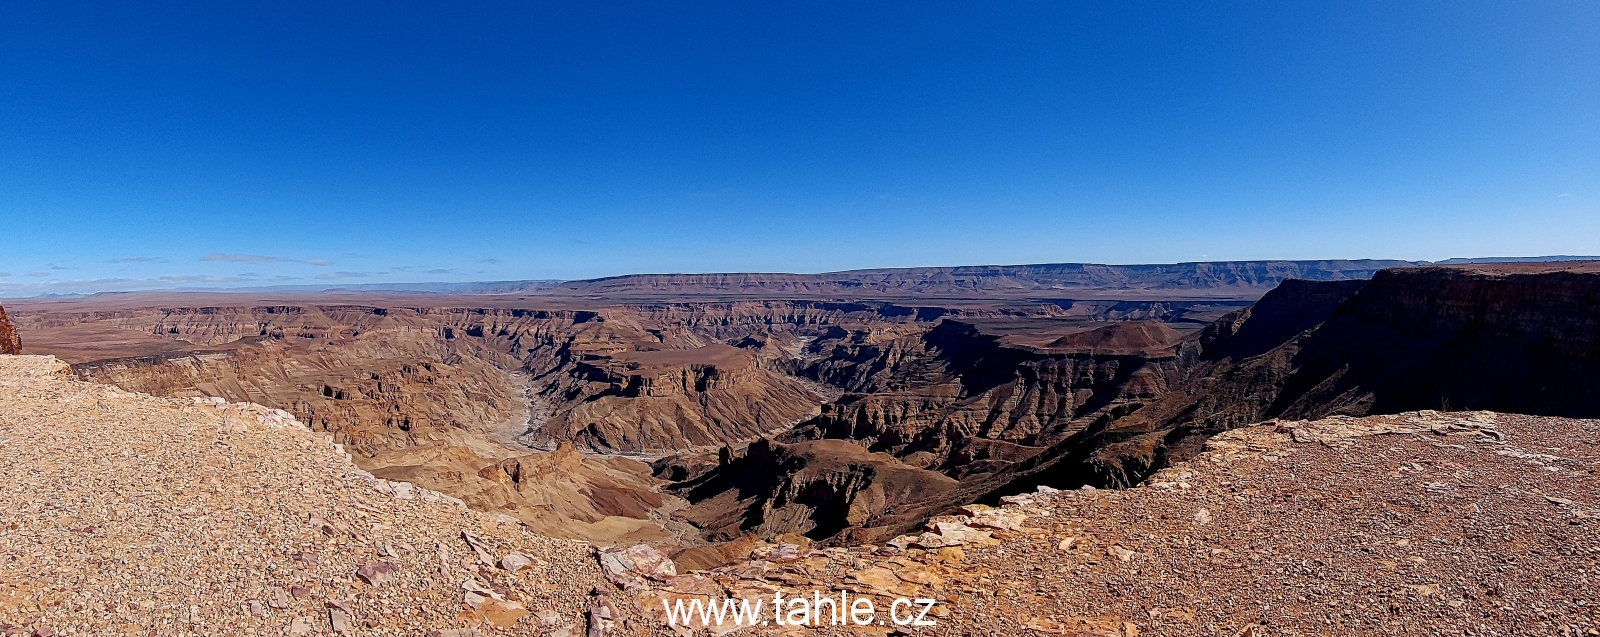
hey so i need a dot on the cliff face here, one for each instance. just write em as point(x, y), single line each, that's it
point(1411, 339)
point(10, 343)
point(671, 400)
point(1452, 339)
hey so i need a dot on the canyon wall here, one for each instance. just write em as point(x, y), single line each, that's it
point(1003, 419)
point(1442, 338)
point(927, 421)
point(1455, 339)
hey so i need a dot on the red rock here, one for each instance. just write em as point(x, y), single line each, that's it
point(378, 573)
point(10, 343)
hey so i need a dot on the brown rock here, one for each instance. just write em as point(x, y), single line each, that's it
point(339, 621)
point(10, 342)
point(878, 579)
point(278, 598)
point(627, 567)
point(503, 614)
point(378, 573)
point(516, 562)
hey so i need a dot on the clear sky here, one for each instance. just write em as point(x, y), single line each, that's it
point(172, 144)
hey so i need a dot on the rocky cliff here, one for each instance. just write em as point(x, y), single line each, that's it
point(10, 342)
point(1454, 338)
point(1443, 338)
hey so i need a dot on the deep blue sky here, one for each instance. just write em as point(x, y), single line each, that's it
point(204, 144)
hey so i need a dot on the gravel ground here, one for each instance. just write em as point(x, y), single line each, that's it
point(1462, 524)
point(127, 514)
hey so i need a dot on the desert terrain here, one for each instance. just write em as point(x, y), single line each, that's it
point(761, 442)
point(546, 402)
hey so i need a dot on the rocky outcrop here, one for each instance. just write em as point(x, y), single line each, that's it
point(10, 342)
point(665, 401)
point(124, 511)
point(816, 488)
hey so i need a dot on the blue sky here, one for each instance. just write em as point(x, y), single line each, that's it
point(196, 144)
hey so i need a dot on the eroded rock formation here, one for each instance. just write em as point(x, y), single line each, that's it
point(10, 342)
point(816, 488)
point(1003, 419)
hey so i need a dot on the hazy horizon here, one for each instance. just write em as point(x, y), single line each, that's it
point(119, 286)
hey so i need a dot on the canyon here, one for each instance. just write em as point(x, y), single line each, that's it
point(699, 412)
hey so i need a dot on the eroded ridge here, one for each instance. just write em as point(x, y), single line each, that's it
point(124, 513)
point(1421, 523)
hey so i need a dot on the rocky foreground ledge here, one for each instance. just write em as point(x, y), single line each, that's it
point(127, 514)
point(1421, 523)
